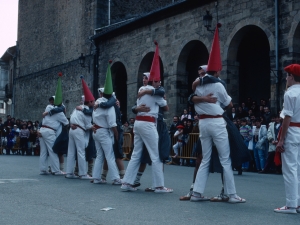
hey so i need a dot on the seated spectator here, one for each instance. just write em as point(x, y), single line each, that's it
point(185, 115)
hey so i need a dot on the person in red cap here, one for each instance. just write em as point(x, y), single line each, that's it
point(288, 144)
point(213, 129)
point(146, 133)
point(178, 146)
point(79, 136)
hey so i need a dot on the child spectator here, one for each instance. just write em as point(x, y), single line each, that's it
point(246, 132)
point(178, 146)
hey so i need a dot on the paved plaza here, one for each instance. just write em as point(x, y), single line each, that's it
point(29, 198)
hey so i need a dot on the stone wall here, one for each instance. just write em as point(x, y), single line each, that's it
point(174, 33)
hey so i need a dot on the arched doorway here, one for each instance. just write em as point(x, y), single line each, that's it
point(145, 66)
point(193, 54)
point(119, 77)
point(248, 69)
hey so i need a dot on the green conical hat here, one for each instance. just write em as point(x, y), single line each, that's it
point(108, 87)
point(58, 92)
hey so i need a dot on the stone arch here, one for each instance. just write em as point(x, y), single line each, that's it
point(119, 77)
point(145, 66)
point(192, 55)
point(294, 35)
point(247, 51)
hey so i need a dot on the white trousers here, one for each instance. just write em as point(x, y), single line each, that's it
point(46, 143)
point(76, 142)
point(291, 173)
point(176, 147)
point(104, 147)
point(214, 130)
point(145, 132)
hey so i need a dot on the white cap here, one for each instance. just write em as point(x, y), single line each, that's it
point(101, 90)
point(204, 67)
point(147, 74)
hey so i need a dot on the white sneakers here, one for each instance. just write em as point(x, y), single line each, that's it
point(285, 209)
point(128, 187)
point(59, 173)
point(163, 190)
point(236, 199)
point(99, 181)
point(86, 177)
point(117, 182)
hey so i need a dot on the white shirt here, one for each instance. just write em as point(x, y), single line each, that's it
point(153, 102)
point(105, 118)
point(291, 107)
point(79, 118)
point(218, 91)
point(179, 137)
point(55, 120)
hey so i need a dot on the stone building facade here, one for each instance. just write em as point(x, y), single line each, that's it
point(52, 34)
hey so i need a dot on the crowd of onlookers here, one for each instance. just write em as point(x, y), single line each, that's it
point(20, 134)
point(257, 125)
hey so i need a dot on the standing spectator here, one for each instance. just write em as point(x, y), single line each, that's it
point(259, 144)
point(189, 126)
point(10, 140)
point(126, 128)
point(254, 108)
point(195, 125)
point(250, 114)
point(174, 125)
point(261, 111)
point(18, 123)
point(245, 108)
point(267, 116)
point(272, 138)
point(246, 132)
point(131, 123)
point(31, 140)
point(24, 135)
point(37, 124)
point(240, 113)
point(233, 115)
point(8, 122)
point(190, 112)
point(29, 125)
point(185, 115)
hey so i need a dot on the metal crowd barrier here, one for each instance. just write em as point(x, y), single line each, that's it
point(127, 145)
point(187, 150)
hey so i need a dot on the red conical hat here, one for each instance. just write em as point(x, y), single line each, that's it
point(214, 61)
point(88, 96)
point(155, 68)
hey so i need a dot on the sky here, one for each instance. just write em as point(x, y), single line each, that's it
point(8, 24)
